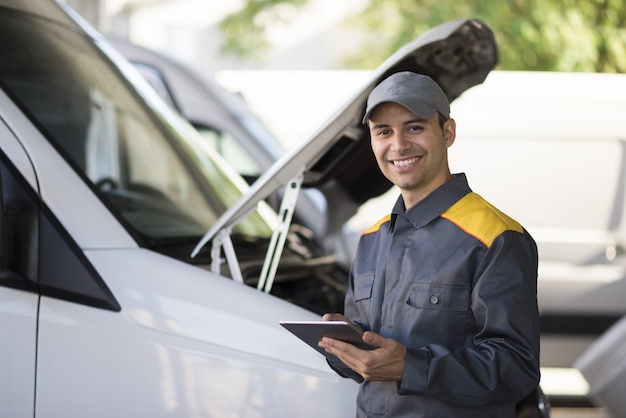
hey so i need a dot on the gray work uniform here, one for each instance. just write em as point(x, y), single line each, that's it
point(455, 281)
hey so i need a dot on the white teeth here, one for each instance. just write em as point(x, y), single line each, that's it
point(404, 163)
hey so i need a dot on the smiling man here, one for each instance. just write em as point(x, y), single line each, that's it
point(445, 286)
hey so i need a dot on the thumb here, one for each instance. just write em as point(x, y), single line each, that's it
point(374, 339)
point(388, 344)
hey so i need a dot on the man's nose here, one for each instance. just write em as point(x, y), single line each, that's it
point(399, 142)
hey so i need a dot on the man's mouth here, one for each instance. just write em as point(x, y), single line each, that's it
point(404, 163)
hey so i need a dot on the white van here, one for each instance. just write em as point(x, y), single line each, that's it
point(549, 149)
point(104, 193)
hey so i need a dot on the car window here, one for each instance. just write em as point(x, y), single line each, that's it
point(229, 148)
point(19, 226)
point(224, 143)
point(162, 181)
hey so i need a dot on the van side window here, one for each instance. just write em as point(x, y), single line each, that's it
point(36, 254)
point(64, 271)
point(19, 226)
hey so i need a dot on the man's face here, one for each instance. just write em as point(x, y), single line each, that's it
point(411, 152)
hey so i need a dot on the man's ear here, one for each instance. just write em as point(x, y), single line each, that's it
point(449, 131)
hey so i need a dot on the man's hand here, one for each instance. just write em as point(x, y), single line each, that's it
point(335, 317)
point(385, 362)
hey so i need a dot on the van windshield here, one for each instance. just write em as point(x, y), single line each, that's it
point(146, 164)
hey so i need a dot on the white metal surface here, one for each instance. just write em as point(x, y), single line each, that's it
point(18, 327)
point(187, 344)
point(604, 367)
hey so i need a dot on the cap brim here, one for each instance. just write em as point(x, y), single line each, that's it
point(417, 107)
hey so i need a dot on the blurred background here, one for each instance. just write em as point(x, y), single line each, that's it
point(273, 50)
point(547, 35)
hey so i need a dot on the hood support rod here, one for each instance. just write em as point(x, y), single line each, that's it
point(222, 240)
point(277, 242)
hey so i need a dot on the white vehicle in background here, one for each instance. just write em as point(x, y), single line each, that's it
point(604, 366)
point(549, 149)
point(105, 192)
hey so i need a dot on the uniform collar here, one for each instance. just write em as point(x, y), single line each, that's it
point(435, 203)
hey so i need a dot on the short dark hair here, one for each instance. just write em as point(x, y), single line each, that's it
point(442, 119)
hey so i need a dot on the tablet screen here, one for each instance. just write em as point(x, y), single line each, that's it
point(312, 331)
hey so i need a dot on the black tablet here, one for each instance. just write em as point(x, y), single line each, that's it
point(312, 331)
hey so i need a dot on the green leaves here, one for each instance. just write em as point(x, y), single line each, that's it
point(245, 31)
point(547, 35)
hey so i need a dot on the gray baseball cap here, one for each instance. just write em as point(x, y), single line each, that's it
point(417, 92)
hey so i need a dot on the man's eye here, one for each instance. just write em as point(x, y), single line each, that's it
point(415, 128)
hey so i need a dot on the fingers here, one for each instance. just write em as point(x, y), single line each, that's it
point(386, 362)
point(390, 346)
point(334, 317)
point(378, 341)
point(346, 352)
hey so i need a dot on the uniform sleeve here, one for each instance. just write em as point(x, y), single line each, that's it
point(351, 312)
point(502, 364)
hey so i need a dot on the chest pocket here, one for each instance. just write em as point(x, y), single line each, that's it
point(363, 287)
point(439, 297)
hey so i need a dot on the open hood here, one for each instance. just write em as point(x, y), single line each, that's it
point(337, 157)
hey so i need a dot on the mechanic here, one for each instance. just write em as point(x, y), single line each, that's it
point(445, 286)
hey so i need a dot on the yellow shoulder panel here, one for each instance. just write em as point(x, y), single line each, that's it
point(376, 226)
point(479, 218)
